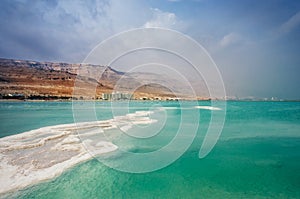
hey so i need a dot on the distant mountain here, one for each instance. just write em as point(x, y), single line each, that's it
point(47, 80)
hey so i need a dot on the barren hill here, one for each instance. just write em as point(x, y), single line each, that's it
point(47, 80)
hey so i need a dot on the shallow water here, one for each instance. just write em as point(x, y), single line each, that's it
point(257, 155)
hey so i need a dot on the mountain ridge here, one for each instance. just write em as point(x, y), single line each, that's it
point(55, 80)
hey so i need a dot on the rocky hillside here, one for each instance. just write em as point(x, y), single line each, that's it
point(47, 80)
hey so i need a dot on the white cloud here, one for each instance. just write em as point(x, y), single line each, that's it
point(290, 24)
point(161, 19)
point(64, 31)
point(230, 39)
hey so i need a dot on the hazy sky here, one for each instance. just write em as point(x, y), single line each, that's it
point(255, 44)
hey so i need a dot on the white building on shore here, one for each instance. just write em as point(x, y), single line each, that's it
point(116, 96)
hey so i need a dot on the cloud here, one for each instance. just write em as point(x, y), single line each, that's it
point(230, 39)
point(64, 31)
point(161, 19)
point(290, 24)
point(50, 30)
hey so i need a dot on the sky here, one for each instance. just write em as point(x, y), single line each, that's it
point(255, 44)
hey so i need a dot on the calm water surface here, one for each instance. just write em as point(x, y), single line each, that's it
point(257, 155)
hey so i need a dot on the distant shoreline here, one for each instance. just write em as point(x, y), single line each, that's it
point(63, 100)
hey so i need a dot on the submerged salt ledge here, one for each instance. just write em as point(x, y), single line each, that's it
point(212, 108)
point(41, 154)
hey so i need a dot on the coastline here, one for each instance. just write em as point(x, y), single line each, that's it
point(205, 100)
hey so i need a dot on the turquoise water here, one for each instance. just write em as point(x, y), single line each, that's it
point(257, 155)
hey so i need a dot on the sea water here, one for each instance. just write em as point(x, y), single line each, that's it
point(257, 155)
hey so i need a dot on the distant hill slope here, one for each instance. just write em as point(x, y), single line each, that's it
point(32, 79)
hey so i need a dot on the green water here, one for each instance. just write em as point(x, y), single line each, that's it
point(257, 155)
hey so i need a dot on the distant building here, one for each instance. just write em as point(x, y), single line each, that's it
point(19, 96)
point(173, 99)
point(116, 96)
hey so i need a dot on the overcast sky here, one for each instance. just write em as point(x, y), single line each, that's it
point(255, 44)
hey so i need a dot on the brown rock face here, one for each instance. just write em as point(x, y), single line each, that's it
point(46, 80)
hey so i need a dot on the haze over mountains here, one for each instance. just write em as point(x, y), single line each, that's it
point(47, 80)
